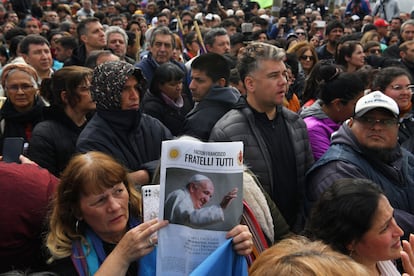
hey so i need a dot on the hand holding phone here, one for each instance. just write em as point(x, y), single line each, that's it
point(12, 149)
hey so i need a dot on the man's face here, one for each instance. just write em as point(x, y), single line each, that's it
point(163, 21)
point(201, 193)
point(408, 33)
point(39, 56)
point(61, 53)
point(200, 84)
point(377, 129)
point(117, 44)
point(335, 35)
point(52, 17)
point(220, 46)
point(95, 36)
point(130, 94)
point(162, 48)
point(409, 54)
point(395, 24)
point(267, 85)
point(32, 27)
point(13, 18)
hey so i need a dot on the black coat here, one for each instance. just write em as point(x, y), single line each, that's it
point(132, 138)
point(54, 140)
point(19, 124)
point(171, 117)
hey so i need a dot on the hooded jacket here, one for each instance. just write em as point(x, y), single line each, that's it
point(133, 138)
point(347, 159)
point(320, 128)
point(202, 118)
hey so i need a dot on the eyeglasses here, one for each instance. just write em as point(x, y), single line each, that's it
point(23, 87)
point(304, 57)
point(300, 33)
point(375, 51)
point(398, 87)
point(371, 122)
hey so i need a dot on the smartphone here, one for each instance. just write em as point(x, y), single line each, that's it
point(150, 201)
point(12, 148)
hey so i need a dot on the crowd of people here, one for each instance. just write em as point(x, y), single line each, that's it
point(320, 96)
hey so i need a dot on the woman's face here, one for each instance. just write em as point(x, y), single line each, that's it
point(307, 60)
point(85, 103)
point(398, 90)
point(172, 89)
point(20, 91)
point(107, 213)
point(382, 241)
point(357, 59)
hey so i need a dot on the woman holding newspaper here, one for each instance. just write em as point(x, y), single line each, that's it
point(95, 227)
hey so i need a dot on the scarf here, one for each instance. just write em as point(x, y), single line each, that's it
point(88, 259)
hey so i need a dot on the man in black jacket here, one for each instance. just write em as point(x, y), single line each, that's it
point(276, 143)
point(209, 86)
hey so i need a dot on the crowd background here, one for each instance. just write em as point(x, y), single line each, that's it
point(121, 76)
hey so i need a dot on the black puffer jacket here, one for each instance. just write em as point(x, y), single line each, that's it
point(239, 125)
point(54, 140)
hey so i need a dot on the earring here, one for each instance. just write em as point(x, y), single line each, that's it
point(77, 225)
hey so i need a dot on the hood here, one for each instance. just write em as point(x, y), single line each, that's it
point(315, 110)
point(223, 94)
point(345, 136)
point(108, 81)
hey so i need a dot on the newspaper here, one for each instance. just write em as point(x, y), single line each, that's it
point(199, 216)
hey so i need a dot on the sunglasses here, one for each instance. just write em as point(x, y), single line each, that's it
point(304, 57)
point(300, 33)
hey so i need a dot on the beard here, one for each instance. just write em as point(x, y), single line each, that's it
point(385, 155)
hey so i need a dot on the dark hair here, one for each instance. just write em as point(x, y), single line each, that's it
point(339, 85)
point(189, 37)
point(68, 42)
point(165, 73)
point(214, 65)
point(66, 79)
point(14, 43)
point(386, 75)
point(344, 213)
point(90, 61)
point(162, 30)
point(82, 26)
point(346, 50)
point(320, 69)
point(32, 39)
point(333, 25)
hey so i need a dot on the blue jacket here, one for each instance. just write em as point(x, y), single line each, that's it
point(346, 159)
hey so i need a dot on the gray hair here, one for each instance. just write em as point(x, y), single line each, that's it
point(162, 30)
point(196, 180)
point(256, 52)
point(116, 30)
point(210, 36)
point(408, 22)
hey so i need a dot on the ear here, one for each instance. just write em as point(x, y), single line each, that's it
point(208, 48)
point(221, 82)
point(25, 57)
point(249, 83)
point(83, 38)
point(351, 246)
point(337, 104)
point(350, 122)
point(64, 96)
point(402, 54)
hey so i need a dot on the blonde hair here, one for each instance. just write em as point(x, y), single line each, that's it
point(299, 256)
point(88, 173)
